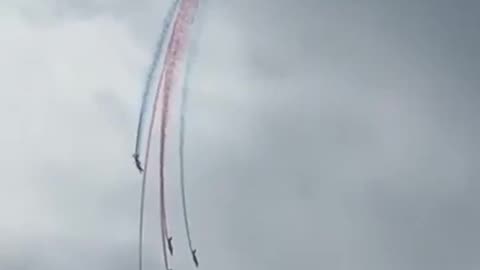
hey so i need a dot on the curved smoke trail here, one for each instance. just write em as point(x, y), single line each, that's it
point(165, 102)
point(144, 179)
point(168, 73)
point(166, 26)
point(164, 85)
point(174, 54)
point(183, 112)
point(153, 66)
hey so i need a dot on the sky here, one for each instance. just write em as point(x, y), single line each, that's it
point(321, 135)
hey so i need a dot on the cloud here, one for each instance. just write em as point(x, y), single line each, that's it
point(359, 160)
point(62, 156)
point(330, 135)
point(70, 101)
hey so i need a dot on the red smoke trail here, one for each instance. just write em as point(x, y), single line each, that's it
point(175, 47)
point(161, 87)
point(144, 180)
point(175, 52)
point(164, 229)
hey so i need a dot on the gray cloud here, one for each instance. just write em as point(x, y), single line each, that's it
point(369, 136)
point(331, 134)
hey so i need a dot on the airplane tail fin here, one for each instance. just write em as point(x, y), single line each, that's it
point(194, 256)
point(170, 245)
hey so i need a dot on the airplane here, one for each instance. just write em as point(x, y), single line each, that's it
point(170, 245)
point(195, 259)
point(137, 163)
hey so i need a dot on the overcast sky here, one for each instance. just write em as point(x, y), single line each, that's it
point(322, 134)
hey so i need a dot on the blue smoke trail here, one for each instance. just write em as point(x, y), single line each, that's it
point(153, 66)
point(183, 112)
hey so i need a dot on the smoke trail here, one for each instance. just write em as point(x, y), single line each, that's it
point(153, 66)
point(183, 111)
point(165, 102)
point(175, 45)
point(166, 26)
point(144, 180)
point(163, 86)
point(174, 55)
point(163, 223)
